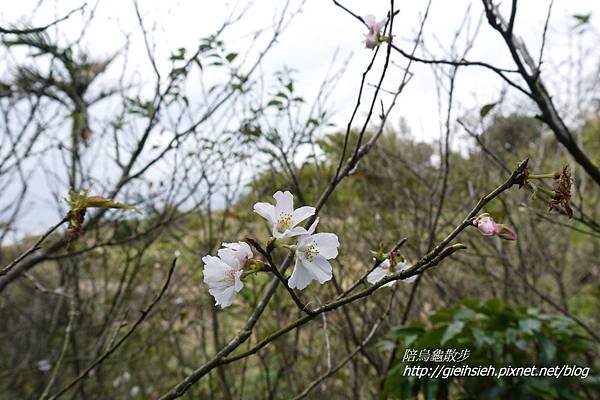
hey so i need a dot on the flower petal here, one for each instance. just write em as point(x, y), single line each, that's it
point(370, 20)
point(223, 296)
point(229, 257)
point(403, 266)
point(238, 284)
point(280, 235)
point(379, 25)
point(370, 40)
point(242, 251)
point(295, 231)
point(211, 261)
point(214, 269)
point(285, 202)
point(327, 243)
point(265, 210)
point(303, 241)
point(301, 214)
point(301, 277)
point(319, 267)
point(377, 274)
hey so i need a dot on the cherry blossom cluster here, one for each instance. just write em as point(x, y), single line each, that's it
point(224, 273)
point(312, 251)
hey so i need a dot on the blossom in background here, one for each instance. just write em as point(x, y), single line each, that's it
point(312, 254)
point(223, 274)
point(44, 365)
point(282, 215)
point(488, 227)
point(383, 270)
point(372, 38)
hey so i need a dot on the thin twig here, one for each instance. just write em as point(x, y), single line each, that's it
point(112, 349)
point(331, 370)
point(41, 28)
point(33, 248)
point(65, 346)
point(375, 265)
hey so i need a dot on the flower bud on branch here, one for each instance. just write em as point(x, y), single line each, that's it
point(488, 227)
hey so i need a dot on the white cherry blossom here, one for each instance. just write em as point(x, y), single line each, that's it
point(384, 270)
point(312, 254)
point(223, 274)
point(282, 215)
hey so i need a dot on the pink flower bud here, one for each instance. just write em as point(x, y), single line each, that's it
point(486, 225)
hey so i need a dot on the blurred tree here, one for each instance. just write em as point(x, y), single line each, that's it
point(67, 81)
point(512, 134)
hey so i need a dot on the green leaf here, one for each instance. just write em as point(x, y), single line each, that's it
point(409, 334)
point(521, 344)
point(275, 103)
point(485, 110)
point(180, 55)
point(231, 56)
point(480, 337)
point(177, 71)
point(582, 18)
point(548, 350)
point(82, 201)
point(430, 389)
point(102, 202)
point(453, 329)
point(465, 314)
point(530, 325)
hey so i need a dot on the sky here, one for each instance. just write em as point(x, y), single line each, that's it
point(315, 35)
point(322, 35)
